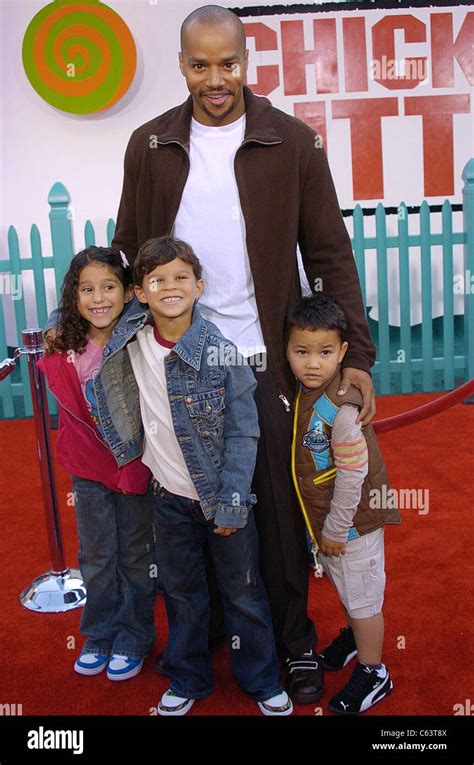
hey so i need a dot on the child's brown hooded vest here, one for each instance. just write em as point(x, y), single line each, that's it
point(315, 487)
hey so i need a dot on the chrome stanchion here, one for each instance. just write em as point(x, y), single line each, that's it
point(62, 588)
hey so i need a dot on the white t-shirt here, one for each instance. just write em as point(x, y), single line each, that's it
point(162, 453)
point(210, 219)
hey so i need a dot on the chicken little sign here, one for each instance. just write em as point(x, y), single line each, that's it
point(388, 90)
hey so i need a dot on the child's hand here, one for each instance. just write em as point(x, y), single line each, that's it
point(222, 531)
point(48, 340)
point(330, 547)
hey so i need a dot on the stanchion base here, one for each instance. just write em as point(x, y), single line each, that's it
point(55, 592)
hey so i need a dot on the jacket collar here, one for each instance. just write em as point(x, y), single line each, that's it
point(308, 397)
point(258, 123)
point(135, 313)
point(191, 344)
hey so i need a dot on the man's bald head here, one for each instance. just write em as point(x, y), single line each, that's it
point(212, 15)
point(214, 61)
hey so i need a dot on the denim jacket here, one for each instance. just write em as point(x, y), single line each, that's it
point(210, 391)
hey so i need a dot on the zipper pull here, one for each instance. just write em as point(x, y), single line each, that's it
point(318, 569)
point(285, 401)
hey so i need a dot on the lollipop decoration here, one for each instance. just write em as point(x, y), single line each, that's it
point(79, 56)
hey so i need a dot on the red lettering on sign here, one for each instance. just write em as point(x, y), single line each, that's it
point(268, 77)
point(365, 117)
point(451, 37)
point(383, 47)
point(437, 120)
point(444, 50)
point(355, 54)
point(295, 57)
point(313, 113)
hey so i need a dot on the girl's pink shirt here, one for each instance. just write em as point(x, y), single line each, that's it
point(87, 366)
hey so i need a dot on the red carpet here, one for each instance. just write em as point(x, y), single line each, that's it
point(428, 601)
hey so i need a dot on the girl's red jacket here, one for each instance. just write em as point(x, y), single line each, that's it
point(80, 448)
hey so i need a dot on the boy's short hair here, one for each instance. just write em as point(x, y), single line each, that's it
point(316, 312)
point(158, 252)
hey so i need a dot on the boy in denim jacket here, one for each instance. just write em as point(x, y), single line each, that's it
point(201, 431)
point(171, 386)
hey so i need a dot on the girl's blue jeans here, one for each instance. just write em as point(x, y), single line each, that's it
point(117, 562)
point(182, 534)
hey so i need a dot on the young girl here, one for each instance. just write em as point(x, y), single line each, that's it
point(113, 504)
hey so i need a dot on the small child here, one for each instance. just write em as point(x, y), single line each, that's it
point(338, 470)
point(201, 433)
point(113, 504)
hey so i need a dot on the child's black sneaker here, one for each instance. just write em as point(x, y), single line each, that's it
point(365, 688)
point(339, 653)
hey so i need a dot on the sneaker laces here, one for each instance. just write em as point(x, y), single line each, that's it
point(360, 680)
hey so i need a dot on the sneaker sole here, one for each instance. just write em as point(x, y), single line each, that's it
point(173, 712)
point(361, 711)
point(331, 668)
point(127, 675)
point(305, 698)
point(266, 710)
point(84, 671)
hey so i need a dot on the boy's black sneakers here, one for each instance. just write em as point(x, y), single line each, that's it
point(304, 678)
point(365, 688)
point(339, 653)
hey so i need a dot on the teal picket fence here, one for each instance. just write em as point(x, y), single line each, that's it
point(440, 364)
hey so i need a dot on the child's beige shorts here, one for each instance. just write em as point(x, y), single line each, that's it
point(359, 575)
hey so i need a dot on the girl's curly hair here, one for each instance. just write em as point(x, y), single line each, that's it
point(72, 327)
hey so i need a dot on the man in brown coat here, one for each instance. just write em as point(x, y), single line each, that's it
point(245, 183)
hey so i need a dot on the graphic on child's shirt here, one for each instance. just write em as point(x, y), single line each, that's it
point(91, 400)
point(316, 440)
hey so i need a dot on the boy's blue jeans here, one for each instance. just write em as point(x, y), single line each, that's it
point(116, 558)
point(181, 534)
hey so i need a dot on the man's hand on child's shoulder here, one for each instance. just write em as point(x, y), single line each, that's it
point(363, 381)
point(222, 531)
point(330, 547)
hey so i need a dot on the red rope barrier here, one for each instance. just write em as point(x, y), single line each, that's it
point(427, 410)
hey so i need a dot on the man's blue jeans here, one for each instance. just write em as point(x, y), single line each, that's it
point(182, 532)
point(116, 558)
